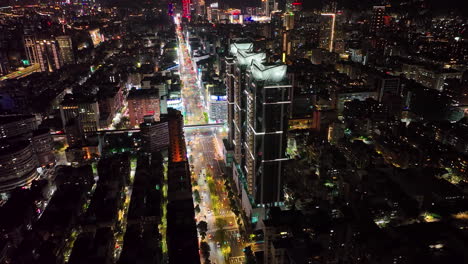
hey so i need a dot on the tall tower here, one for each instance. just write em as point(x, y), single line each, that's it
point(30, 49)
point(259, 97)
point(377, 20)
point(327, 31)
point(269, 6)
point(48, 55)
point(288, 25)
point(66, 49)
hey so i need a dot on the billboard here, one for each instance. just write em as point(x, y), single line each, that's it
point(218, 98)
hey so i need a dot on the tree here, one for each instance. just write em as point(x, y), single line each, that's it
point(58, 145)
point(221, 223)
point(123, 123)
point(205, 250)
point(202, 228)
point(220, 235)
point(226, 250)
point(196, 196)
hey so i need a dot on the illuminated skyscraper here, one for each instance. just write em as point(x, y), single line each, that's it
point(268, 106)
point(18, 164)
point(288, 25)
point(259, 98)
point(48, 54)
point(141, 103)
point(269, 6)
point(327, 31)
point(212, 12)
point(66, 49)
point(30, 49)
point(377, 20)
point(85, 109)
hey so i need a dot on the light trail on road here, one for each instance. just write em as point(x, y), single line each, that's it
point(204, 156)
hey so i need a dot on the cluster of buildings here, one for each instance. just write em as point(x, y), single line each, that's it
point(346, 131)
point(79, 192)
point(345, 137)
point(25, 149)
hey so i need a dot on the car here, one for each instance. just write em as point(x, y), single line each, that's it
point(218, 244)
point(210, 236)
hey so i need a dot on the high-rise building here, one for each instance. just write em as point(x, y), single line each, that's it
point(233, 82)
point(18, 164)
point(212, 12)
point(243, 60)
point(269, 6)
point(217, 103)
point(288, 20)
point(155, 135)
point(377, 21)
point(327, 31)
point(43, 146)
point(259, 102)
point(85, 109)
point(182, 243)
point(74, 132)
point(4, 63)
point(30, 49)
point(178, 149)
point(48, 55)
point(16, 125)
point(288, 25)
point(141, 103)
point(268, 107)
point(66, 49)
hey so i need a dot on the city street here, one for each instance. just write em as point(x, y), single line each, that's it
point(205, 157)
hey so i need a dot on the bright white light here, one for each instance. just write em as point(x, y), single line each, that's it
point(246, 58)
point(235, 47)
point(332, 38)
point(272, 73)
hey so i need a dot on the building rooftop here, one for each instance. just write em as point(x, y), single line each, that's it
point(8, 148)
point(268, 73)
point(143, 93)
point(70, 99)
point(13, 118)
point(235, 47)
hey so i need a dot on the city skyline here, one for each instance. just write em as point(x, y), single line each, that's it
point(221, 132)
